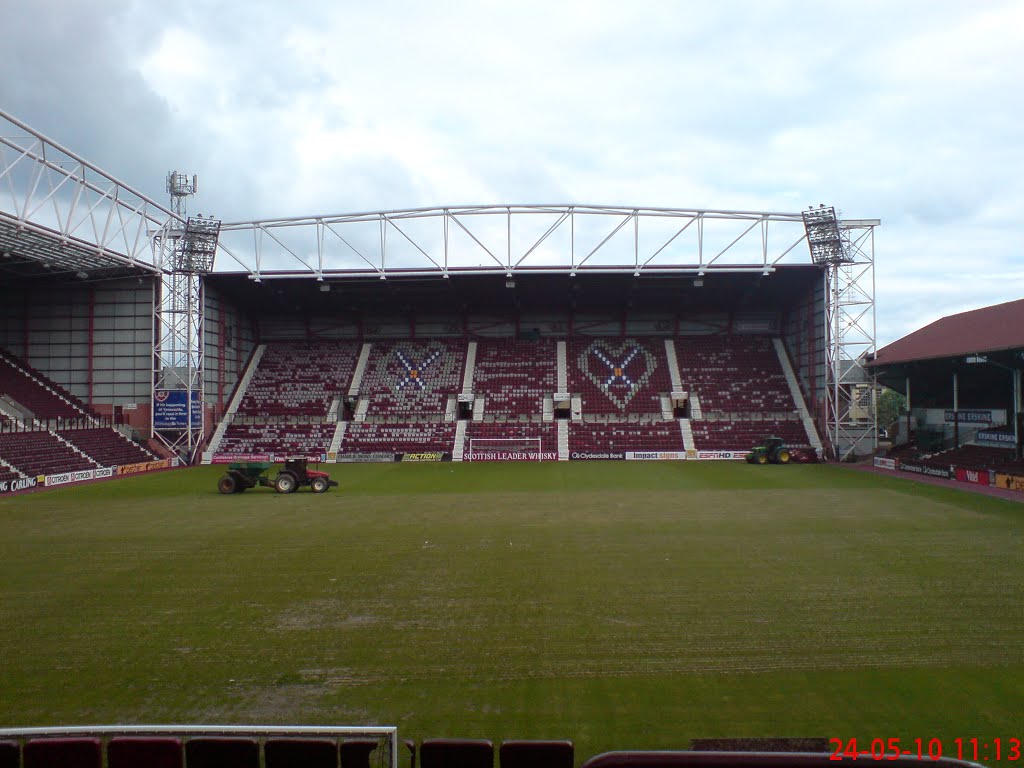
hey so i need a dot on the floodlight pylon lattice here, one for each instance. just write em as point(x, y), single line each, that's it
point(185, 248)
point(846, 249)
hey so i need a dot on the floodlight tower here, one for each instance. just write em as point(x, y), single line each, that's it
point(185, 249)
point(846, 251)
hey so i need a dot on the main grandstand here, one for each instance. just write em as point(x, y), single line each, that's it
point(467, 332)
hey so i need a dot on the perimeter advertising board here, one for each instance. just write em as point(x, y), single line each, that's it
point(922, 469)
point(976, 476)
point(18, 484)
point(169, 411)
point(655, 455)
point(1010, 482)
point(721, 455)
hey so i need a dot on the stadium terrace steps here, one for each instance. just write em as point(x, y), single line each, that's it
point(514, 376)
point(278, 439)
point(413, 378)
point(41, 453)
point(372, 437)
point(739, 392)
point(406, 395)
point(798, 398)
point(299, 378)
point(35, 393)
point(107, 447)
point(595, 437)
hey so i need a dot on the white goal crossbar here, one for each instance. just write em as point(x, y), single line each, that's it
point(505, 449)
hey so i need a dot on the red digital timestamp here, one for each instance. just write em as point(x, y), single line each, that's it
point(971, 749)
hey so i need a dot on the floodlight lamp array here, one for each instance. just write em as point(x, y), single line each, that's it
point(197, 247)
point(823, 237)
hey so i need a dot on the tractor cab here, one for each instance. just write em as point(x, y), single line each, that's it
point(772, 450)
point(296, 473)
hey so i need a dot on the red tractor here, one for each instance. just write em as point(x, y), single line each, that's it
point(296, 473)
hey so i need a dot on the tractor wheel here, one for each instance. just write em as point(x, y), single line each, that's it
point(227, 484)
point(762, 458)
point(318, 484)
point(783, 456)
point(285, 483)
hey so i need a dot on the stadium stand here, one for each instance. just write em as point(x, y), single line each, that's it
point(640, 435)
point(35, 393)
point(742, 391)
point(299, 378)
point(514, 376)
point(41, 453)
point(619, 376)
point(413, 378)
point(413, 437)
point(281, 439)
point(977, 457)
point(106, 446)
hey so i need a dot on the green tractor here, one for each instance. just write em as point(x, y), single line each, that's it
point(772, 450)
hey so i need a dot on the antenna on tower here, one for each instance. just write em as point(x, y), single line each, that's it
point(179, 188)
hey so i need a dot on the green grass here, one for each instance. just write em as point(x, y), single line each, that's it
point(621, 605)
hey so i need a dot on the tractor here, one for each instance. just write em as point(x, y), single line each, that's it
point(772, 450)
point(294, 475)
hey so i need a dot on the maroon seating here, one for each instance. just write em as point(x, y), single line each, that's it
point(62, 753)
point(41, 453)
point(981, 457)
point(513, 376)
point(367, 437)
point(218, 752)
point(619, 375)
point(355, 753)
point(746, 760)
point(300, 753)
point(456, 753)
point(734, 374)
point(107, 447)
point(32, 390)
point(9, 754)
point(407, 378)
point(625, 436)
point(151, 752)
point(279, 439)
point(536, 754)
point(297, 378)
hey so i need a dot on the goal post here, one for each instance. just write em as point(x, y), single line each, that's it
point(505, 449)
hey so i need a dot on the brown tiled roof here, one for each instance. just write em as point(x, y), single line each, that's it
point(988, 329)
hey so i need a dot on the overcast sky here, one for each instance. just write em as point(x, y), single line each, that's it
point(910, 112)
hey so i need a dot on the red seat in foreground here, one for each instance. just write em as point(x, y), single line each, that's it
point(152, 752)
point(456, 753)
point(536, 754)
point(62, 753)
point(8, 754)
point(301, 753)
point(217, 752)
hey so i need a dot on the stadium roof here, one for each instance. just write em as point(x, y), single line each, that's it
point(989, 329)
point(556, 291)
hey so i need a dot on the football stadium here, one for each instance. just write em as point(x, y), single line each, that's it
point(525, 483)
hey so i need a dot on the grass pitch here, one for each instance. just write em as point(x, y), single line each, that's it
point(620, 605)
